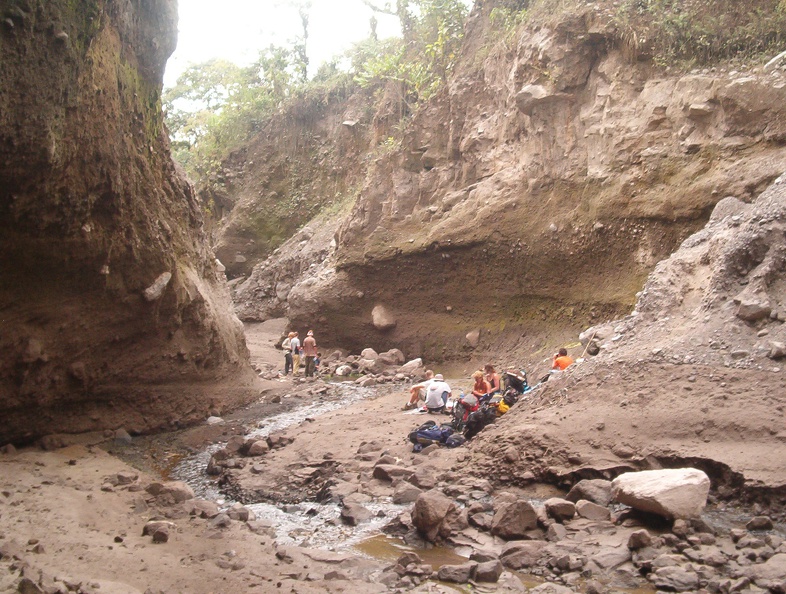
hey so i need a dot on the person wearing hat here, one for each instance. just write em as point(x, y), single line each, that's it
point(310, 351)
point(287, 346)
point(437, 394)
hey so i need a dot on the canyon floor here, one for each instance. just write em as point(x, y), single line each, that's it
point(75, 515)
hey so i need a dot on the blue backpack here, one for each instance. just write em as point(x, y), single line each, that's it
point(429, 433)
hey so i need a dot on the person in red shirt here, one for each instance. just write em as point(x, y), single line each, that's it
point(310, 351)
point(561, 360)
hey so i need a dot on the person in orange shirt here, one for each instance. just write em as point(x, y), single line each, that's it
point(561, 360)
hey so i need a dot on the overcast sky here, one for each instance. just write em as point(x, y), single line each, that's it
point(237, 29)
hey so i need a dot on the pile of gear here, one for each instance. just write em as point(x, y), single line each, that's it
point(471, 414)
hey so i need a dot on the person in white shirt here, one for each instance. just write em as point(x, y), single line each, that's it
point(418, 391)
point(437, 394)
point(295, 345)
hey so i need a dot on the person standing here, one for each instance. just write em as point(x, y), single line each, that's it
point(295, 344)
point(310, 351)
point(287, 346)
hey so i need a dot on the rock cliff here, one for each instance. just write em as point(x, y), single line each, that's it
point(533, 195)
point(113, 310)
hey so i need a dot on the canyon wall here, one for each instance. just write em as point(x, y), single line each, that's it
point(113, 310)
point(532, 196)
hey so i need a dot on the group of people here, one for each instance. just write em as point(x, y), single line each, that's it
point(435, 391)
point(293, 351)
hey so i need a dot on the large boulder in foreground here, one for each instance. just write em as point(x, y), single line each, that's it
point(430, 512)
point(671, 493)
point(513, 520)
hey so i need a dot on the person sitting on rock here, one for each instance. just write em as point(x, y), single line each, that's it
point(418, 391)
point(437, 394)
point(482, 389)
point(492, 377)
point(561, 360)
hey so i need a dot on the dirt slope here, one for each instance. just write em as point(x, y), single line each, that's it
point(695, 374)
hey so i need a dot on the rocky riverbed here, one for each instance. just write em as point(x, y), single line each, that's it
point(292, 515)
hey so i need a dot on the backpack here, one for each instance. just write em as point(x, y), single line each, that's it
point(429, 433)
point(478, 420)
point(455, 441)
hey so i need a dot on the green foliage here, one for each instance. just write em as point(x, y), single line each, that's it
point(215, 106)
point(697, 32)
point(421, 61)
point(506, 18)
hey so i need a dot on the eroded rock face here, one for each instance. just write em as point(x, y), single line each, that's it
point(562, 190)
point(93, 218)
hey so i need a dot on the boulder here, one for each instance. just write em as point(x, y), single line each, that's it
point(201, 508)
point(171, 492)
point(521, 555)
point(388, 472)
point(424, 479)
point(459, 574)
point(529, 96)
point(774, 569)
point(393, 357)
point(752, 308)
point(560, 509)
point(592, 511)
point(671, 493)
point(489, 571)
point(513, 520)
point(343, 370)
point(369, 353)
point(777, 350)
point(429, 512)
point(258, 448)
point(353, 514)
point(594, 490)
point(382, 318)
point(473, 338)
point(759, 523)
point(412, 367)
point(639, 539)
point(675, 579)
point(159, 530)
point(405, 493)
